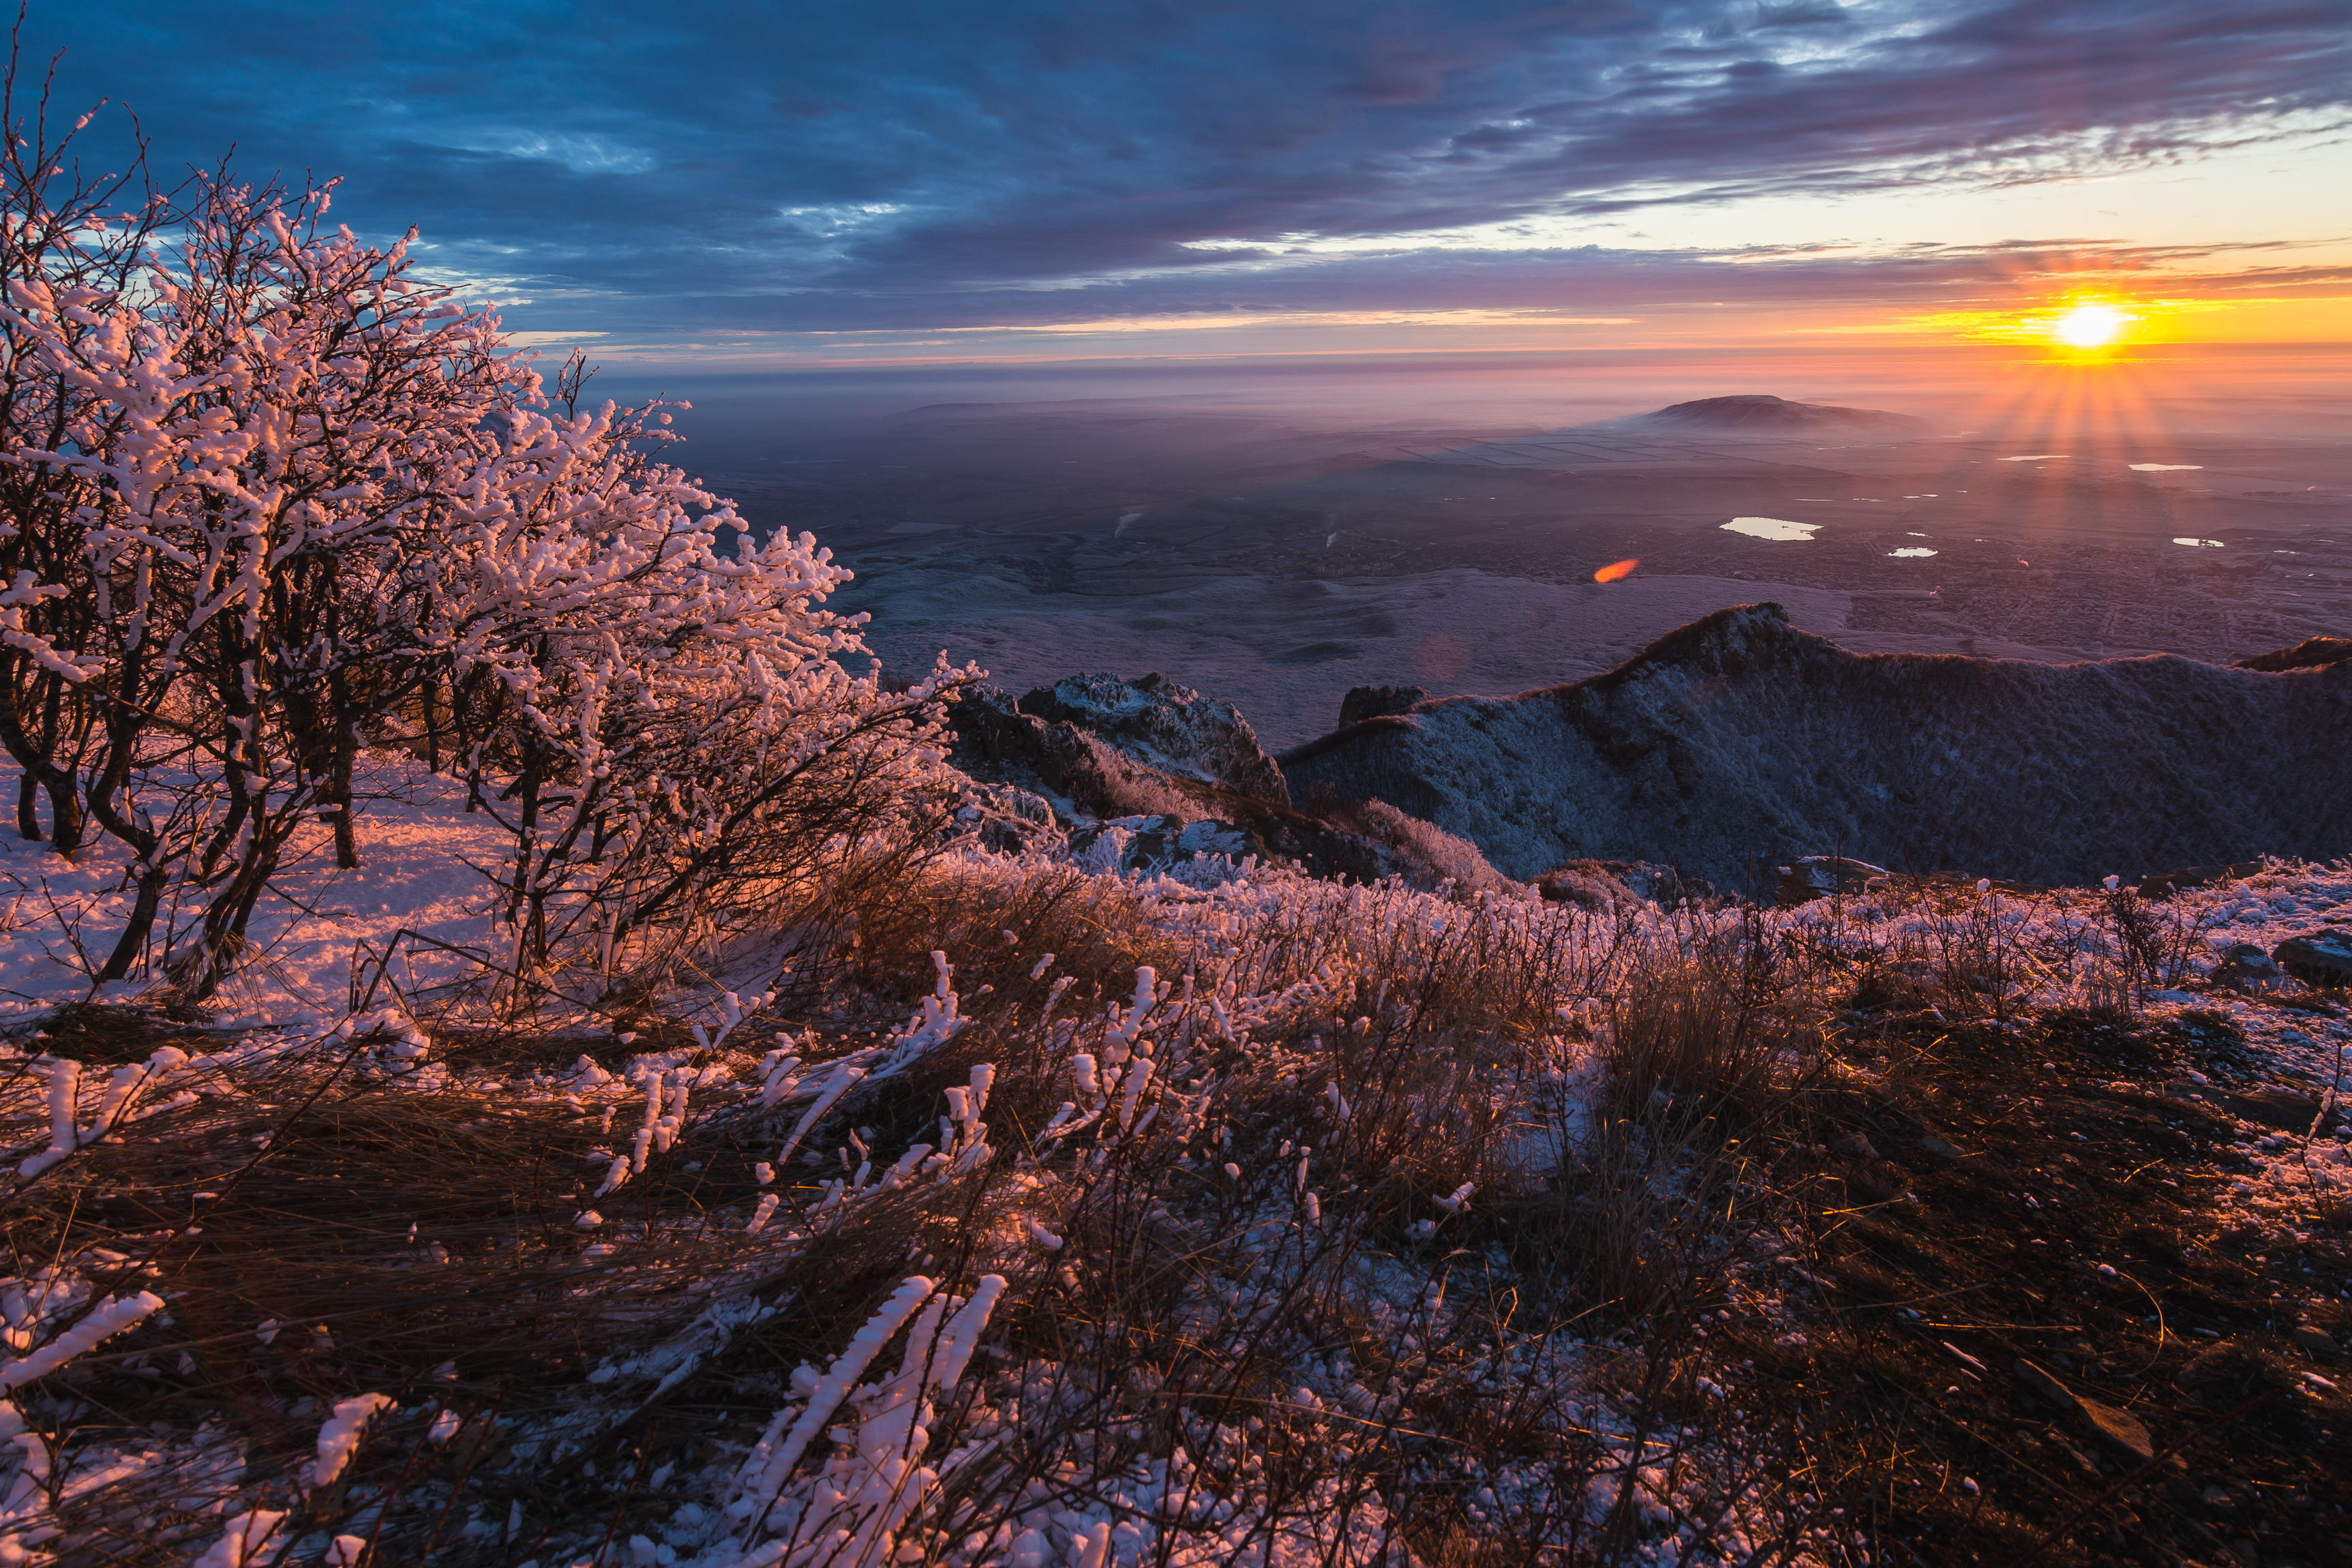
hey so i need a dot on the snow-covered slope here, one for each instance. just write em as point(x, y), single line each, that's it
point(1738, 741)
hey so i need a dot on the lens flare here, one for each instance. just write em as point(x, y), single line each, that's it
point(2090, 326)
point(1614, 570)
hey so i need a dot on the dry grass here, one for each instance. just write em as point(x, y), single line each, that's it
point(1548, 1148)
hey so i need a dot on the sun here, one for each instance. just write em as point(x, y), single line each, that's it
point(2089, 326)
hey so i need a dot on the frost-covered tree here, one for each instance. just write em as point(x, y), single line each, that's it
point(651, 700)
point(289, 499)
point(79, 239)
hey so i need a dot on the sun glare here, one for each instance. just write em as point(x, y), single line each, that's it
point(2089, 326)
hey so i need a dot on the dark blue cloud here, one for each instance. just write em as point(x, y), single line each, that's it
point(652, 169)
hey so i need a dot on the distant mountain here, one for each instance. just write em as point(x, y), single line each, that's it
point(1739, 742)
point(1758, 414)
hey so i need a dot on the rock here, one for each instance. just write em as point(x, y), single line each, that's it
point(2043, 1384)
point(1817, 875)
point(1211, 836)
point(2118, 1429)
point(1364, 702)
point(2242, 966)
point(1598, 884)
point(1854, 1146)
point(1165, 726)
point(1155, 842)
point(1564, 885)
point(1936, 1148)
point(2157, 884)
point(2222, 1375)
point(2314, 1341)
point(2311, 653)
point(1062, 773)
point(1004, 817)
point(2322, 959)
point(2279, 1109)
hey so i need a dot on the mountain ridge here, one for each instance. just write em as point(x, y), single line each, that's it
point(1737, 741)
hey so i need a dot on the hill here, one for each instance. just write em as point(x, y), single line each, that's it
point(1740, 741)
point(1756, 413)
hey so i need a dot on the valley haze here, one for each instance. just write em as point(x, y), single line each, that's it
point(1277, 534)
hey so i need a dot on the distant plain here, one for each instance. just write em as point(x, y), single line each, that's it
point(1275, 533)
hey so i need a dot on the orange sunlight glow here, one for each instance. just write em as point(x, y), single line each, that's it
point(1616, 569)
point(2090, 326)
point(2075, 325)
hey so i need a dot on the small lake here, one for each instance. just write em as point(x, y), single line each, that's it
point(1771, 527)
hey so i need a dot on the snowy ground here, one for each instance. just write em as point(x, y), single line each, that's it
point(418, 851)
point(1262, 1290)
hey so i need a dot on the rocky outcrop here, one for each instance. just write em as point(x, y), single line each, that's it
point(1116, 812)
point(1739, 744)
point(1364, 702)
point(1601, 884)
point(2320, 958)
point(1811, 877)
point(2242, 966)
point(2311, 653)
point(1167, 727)
point(2163, 884)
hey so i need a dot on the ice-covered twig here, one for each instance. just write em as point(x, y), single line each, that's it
point(339, 1438)
point(835, 1386)
point(100, 1323)
point(244, 1542)
point(63, 1077)
point(844, 1077)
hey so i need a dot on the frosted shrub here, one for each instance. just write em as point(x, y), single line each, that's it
point(650, 701)
point(77, 244)
point(281, 499)
point(261, 428)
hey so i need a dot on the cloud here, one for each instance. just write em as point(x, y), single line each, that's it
point(829, 165)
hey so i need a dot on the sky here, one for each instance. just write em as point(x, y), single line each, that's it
point(816, 183)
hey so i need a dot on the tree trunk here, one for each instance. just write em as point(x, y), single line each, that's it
point(339, 796)
point(28, 819)
point(134, 939)
point(239, 807)
point(225, 921)
point(64, 791)
point(65, 817)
